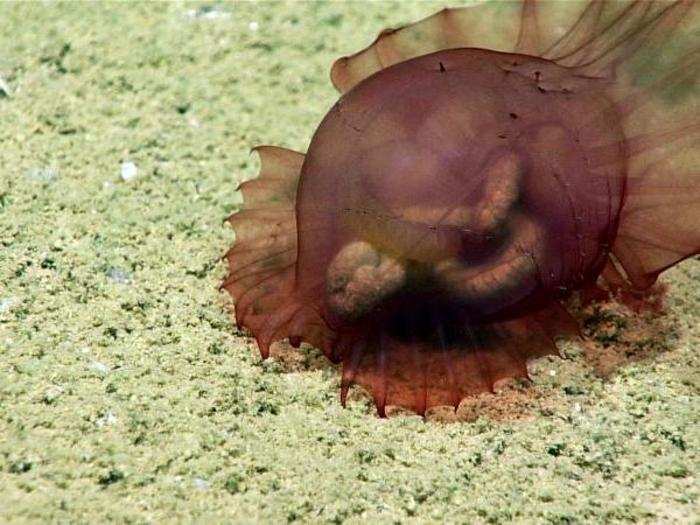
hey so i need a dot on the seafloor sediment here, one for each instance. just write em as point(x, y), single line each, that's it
point(126, 392)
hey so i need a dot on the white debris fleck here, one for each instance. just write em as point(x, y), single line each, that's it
point(4, 88)
point(253, 26)
point(201, 484)
point(577, 407)
point(128, 171)
point(99, 368)
point(52, 394)
point(6, 303)
point(552, 373)
point(119, 275)
point(208, 12)
point(108, 419)
point(44, 174)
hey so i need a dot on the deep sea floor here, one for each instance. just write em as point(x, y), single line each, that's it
point(126, 391)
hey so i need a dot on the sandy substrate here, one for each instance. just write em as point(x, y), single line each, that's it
point(127, 394)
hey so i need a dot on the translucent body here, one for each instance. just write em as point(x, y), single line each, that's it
point(454, 194)
point(415, 177)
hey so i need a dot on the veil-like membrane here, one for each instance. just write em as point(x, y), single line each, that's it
point(481, 165)
point(510, 26)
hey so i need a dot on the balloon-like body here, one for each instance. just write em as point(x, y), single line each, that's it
point(466, 183)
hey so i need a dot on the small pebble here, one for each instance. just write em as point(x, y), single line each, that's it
point(108, 419)
point(208, 12)
point(100, 368)
point(128, 171)
point(4, 88)
point(201, 484)
point(52, 394)
point(45, 174)
point(6, 304)
point(118, 275)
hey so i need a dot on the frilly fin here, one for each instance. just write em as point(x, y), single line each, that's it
point(262, 262)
